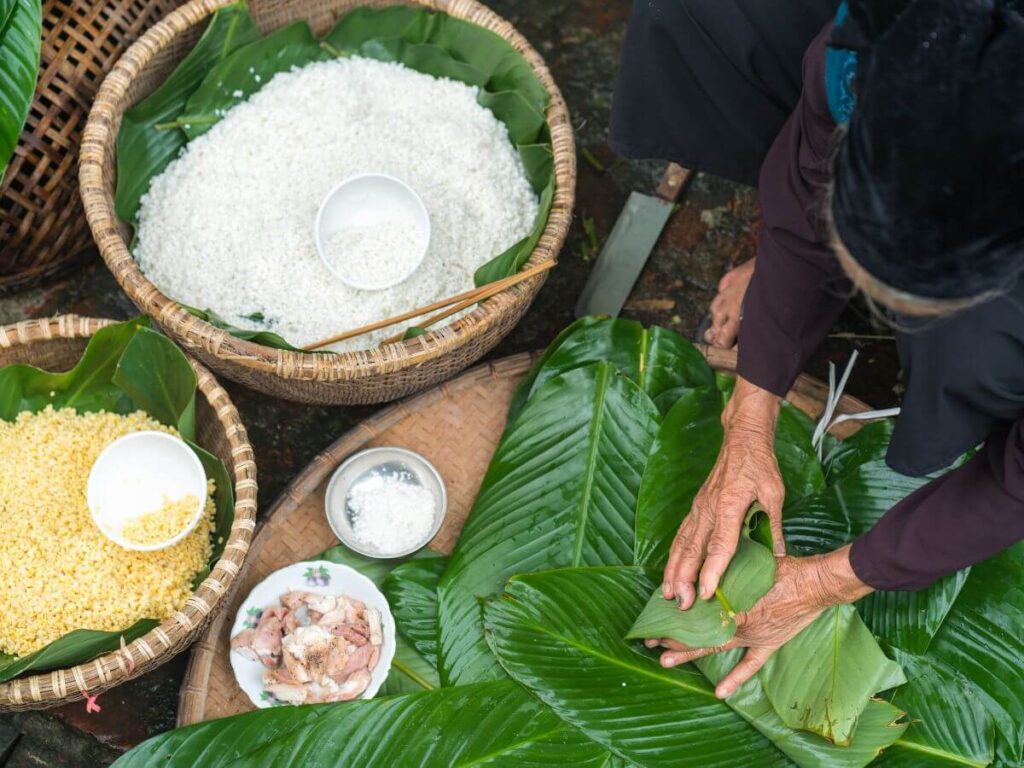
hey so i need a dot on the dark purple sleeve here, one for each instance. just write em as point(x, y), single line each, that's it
point(798, 288)
point(960, 519)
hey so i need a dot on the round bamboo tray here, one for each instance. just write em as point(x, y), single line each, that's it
point(42, 227)
point(367, 376)
point(57, 344)
point(456, 426)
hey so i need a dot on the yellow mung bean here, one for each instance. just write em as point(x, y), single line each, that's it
point(58, 572)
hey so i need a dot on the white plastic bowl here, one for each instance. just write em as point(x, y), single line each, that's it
point(371, 200)
point(308, 576)
point(136, 474)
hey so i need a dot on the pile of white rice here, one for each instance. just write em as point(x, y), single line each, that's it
point(229, 225)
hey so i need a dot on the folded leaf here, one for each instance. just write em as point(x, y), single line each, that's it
point(20, 42)
point(497, 724)
point(560, 634)
point(877, 729)
point(822, 679)
point(709, 623)
point(560, 491)
point(411, 590)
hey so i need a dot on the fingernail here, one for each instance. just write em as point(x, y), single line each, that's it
point(723, 692)
point(705, 591)
point(666, 591)
point(668, 662)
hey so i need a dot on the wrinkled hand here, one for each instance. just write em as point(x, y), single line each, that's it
point(746, 471)
point(804, 587)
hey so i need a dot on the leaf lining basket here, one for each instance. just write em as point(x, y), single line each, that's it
point(372, 375)
point(57, 344)
point(42, 227)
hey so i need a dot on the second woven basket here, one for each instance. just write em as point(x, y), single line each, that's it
point(372, 375)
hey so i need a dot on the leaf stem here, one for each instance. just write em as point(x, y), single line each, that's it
point(725, 602)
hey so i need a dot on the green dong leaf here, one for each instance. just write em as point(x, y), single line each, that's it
point(560, 491)
point(560, 633)
point(662, 362)
point(411, 590)
point(494, 724)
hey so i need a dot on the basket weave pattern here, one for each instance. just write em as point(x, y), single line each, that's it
point(42, 229)
point(57, 344)
point(367, 376)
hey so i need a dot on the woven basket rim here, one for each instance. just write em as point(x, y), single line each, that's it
point(171, 636)
point(99, 140)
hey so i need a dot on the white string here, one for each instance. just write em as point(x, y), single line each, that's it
point(835, 394)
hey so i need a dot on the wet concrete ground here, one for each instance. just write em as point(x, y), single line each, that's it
point(714, 228)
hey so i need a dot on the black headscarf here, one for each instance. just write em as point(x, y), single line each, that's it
point(929, 178)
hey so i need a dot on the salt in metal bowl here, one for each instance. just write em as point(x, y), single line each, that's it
point(408, 466)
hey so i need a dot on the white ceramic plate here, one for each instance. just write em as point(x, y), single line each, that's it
point(323, 578)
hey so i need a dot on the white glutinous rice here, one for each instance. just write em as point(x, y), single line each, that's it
point(374, 256)
point(390, 514)
point(229, 225)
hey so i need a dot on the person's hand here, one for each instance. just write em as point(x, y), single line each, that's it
point(746, 471)
point(804, 587)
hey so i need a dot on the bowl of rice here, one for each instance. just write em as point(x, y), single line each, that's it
point(215, 237)
point(131, 611)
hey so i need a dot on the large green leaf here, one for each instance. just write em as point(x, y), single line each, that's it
point(982, 638)
point(494, 724)
point(709, 623)
point(822, 679)
point(560, 634)
point(20, 42)
point(878, 727)
point(909, 620)
point(235, 78)
point(150, 138)
point(411, 589)
point(681, 458)
point(662, 362)
point(560, 491)
point(125, 367)
point(410, 670)
point(869, 443)
point(801, 471)
point(169, 398)
point(948, 724)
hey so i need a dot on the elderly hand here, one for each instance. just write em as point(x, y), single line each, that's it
point(746, 471)
point(804, 587)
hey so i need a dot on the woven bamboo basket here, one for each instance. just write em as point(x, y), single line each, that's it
point(457, 427)
point(367, 376)
point(42, 227)
point(57, 344)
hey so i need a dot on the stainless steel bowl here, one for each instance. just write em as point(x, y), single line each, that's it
point(409, 466)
